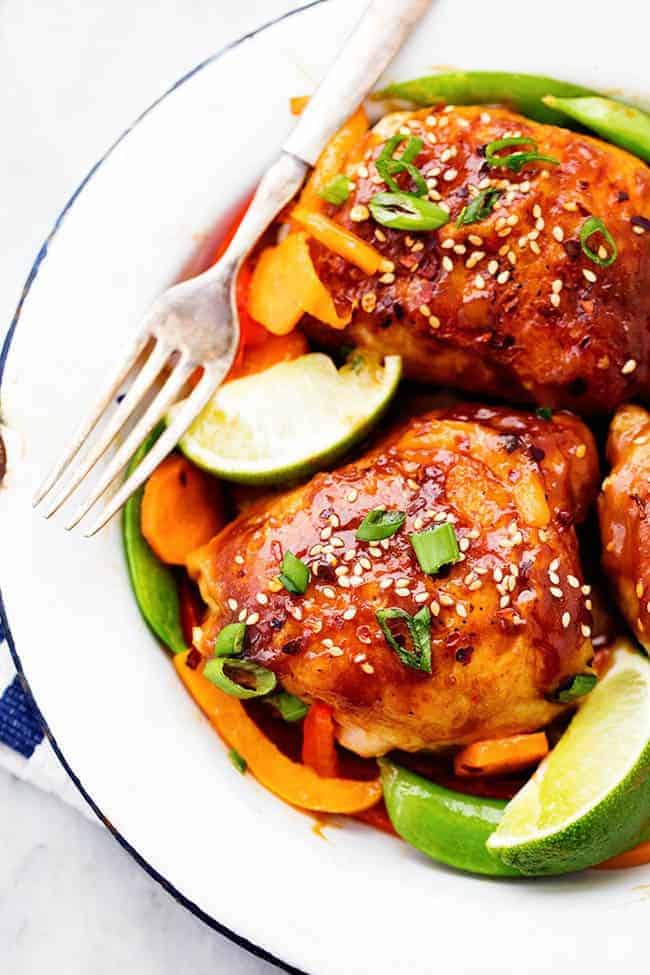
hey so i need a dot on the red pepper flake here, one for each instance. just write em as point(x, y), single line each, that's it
point(193, 659)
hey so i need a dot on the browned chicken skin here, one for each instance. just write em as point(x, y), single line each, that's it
point(509, 623)
point(624, 508)
point(510, 306)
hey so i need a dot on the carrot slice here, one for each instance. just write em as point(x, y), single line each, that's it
point(341, 241)
point(635, 857)
point(501, 755)
point(276, 348)
point(289, 780)
point(182, 509)
point(318, 747)
point(285, 285)
point(332, 159)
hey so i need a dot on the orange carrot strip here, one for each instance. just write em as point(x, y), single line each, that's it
point(631, 858)
point(341, 241)
point(290, 781)
point(318, 747)
point(276, 348)
point(332, 159)
point(501, 755)
point(285, 285)
point(182, 508)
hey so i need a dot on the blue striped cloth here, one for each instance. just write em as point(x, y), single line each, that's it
point(20, 725)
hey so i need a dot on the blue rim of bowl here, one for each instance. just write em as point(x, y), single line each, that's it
point(238, 939)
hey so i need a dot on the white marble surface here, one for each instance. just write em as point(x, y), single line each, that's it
point(73, 74)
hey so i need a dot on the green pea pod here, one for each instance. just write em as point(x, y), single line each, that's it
point(621, 124)
point(521, 92)
point(153, 582)
point(448, 826)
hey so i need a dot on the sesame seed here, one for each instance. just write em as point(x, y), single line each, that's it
point(571, 206)
point(385, 583)
point(534, 246)
point(358, 570)
point(475, 239)
point(403, 592)
point(566, 619)
point(366, 563)
point(557, 286)
point(434, 321)
point(479, 281)
point(379, 234)
point(640, 588)
point(359, 657)
point(537, 211)
point(232, 604)
point(638, 230)
point(461, 611)
point(589, 275)
point(573, 582)
point(338, 542)
point(554, 578)
point(326, 533)
point(493, 267)
point(588, 604)
point(629, 367)
point(344, 582)
point(554, 565)
point(296, 612)
point(503, 277)
point(558, 233)
point(585, 630)
point(336, 652)
point(473, 586)
point(581, 450)
point(497, 575)
point(460, 249)
point(586, 590)
point(555, 592)
point(421, 597)
point(359, 212)
point(450, 175)
point(486, 118)
point(435, 607)
point(239, 559)
point(463, 544)
point(329, 592)
point(555, 300)
point(369, 301)
point(445, 600)
point(447, 263)
point(262, 598)
point(446, 155)
point(447, 244)
point(252, 619)
point(512, 257)
point(504, 601)
point(374, 551)
point(197, 634)
point(539, 224)
point(352, 495)
point(367, 668)
point(387, 278)
point(342, 570)
point(425, 310)
point(315, 549)
point(242, 615)
point(350, 613)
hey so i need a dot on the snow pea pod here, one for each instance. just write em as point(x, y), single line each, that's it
point(448, 826)
point(522, 92)
point(153, 583)
point(621, 124)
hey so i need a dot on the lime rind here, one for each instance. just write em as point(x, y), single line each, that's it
point(290, 420)
point(590, 799)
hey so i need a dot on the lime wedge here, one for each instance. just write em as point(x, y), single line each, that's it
point(291, 419)
point(590, 799)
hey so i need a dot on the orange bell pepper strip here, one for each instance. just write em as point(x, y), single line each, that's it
point(318, 746)
point(182, 509)
point(332, 159)
point(276, 348)
point(285, 285)
point(501, 755)
point(289, 780)
point(635, 857)
point(341, 241)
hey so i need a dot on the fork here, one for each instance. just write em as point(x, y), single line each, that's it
point(195, 323)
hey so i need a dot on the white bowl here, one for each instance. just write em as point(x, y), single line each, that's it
point(132, 740)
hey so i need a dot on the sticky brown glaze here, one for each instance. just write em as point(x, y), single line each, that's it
point(624, 509)
point(509, 307)
point(509, 621)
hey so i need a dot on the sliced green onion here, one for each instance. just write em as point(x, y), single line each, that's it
point(436, 547)
point(230, 640)
point(337, 190)
point(544, 412)
point(289, 708)
point(264, 680)
point(419, 628)
point(576, 686)
point(594, 225)
point(403, 211)
point(387, 166)
point(294, 574)
point(516, 160)
point(480, 207)
point(379, 524)
point(238, 760)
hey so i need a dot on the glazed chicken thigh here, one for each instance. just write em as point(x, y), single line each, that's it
point(509, 306)
point(509, 621)
point(624, 508)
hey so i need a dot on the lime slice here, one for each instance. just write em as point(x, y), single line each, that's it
point(291, 419)
point(590, 799)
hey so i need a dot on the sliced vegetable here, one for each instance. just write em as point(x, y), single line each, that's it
point(379, 524)
point(285, 285)
point(182, 509)
point(419, 630)
point(448, 826)
point(290, 420)
point(515, 160)
point(274, 349)
point(337, 191)
point(294, 574)
point(230, 640)
point(403, 211)
point(522, 92)
point(341, 241)
point(263, 680)
point(618, 123)
point(480, 208)
point(292, 782)
point(154, 585)
point(289, 707)
point(388, 166)
point(501, 756)
point(605, 255)
point(333, 159)
point(238, 762)
point(318, 743)
point(436, 547)
point(576, 686)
